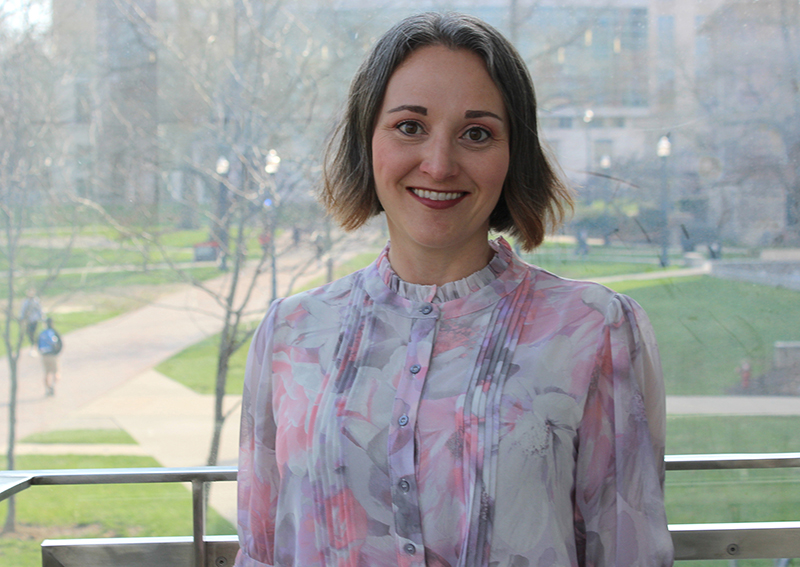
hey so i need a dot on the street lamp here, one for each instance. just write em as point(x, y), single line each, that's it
point(221, 230)
point(271, 168)
point(663, 151)
point(588, 116)
point(273, 162)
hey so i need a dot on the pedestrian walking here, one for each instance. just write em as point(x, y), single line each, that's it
point(50, 345)
point(30, 315)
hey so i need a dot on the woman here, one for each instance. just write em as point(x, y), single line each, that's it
point(449, 404)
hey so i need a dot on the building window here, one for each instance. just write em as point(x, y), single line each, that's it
point(666, 36)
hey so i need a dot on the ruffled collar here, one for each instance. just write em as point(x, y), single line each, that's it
point(452, 290)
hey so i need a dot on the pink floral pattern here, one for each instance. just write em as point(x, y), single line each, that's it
point(510, 419)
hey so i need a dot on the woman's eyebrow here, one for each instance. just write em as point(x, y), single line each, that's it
point(411, 107)
point(481, 114)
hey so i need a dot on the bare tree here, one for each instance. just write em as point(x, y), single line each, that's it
point(748, 89)
point(27, 110)
point(245, 91)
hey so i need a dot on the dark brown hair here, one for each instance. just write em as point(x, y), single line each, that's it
point(534, 197)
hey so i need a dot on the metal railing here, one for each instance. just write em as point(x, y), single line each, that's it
point(692, 541)
point(153, 552)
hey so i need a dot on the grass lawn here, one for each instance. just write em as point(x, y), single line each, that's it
point(114, 510)
point(706, 326)
point(81, 436)
point(196, 367)
point(69, 283)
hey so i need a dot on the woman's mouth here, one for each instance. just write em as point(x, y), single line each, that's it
point(437, 199)
point(437, 195)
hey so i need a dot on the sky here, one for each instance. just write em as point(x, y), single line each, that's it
point(19, 14)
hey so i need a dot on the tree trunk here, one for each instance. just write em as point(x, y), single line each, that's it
point(11, 515)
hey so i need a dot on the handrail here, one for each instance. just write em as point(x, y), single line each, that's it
point(732, 461)
point(12, 482)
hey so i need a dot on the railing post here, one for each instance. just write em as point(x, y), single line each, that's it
point(198, 523)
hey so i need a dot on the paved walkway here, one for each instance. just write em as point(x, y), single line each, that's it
point(109, 382)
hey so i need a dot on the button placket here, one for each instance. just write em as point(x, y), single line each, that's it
point(402, 444)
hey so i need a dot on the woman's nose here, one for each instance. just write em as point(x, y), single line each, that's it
point(439, 159)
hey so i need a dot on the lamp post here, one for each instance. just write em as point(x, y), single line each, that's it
point(663, 150)
point(221, 229)
point(605, 166)
point(588, 116)
point(273, 164)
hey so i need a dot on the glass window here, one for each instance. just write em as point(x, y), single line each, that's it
point(150, 145)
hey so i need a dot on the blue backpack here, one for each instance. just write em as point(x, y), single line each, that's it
point(50, 342)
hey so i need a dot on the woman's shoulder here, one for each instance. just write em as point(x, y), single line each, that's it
point(570, 294)
point(320, 303)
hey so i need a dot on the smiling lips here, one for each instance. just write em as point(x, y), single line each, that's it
point(437, 199)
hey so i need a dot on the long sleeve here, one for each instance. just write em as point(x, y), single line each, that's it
point(620, 517)
point(258, 478)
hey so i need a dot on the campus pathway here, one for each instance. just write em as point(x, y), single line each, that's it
point(109, 382)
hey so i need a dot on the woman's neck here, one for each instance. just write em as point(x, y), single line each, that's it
point(423, 266)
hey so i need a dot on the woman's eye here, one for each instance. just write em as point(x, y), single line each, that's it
point(476, 134)
point(410, 128)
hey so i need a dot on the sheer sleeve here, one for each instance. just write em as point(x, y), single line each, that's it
point(619, 500)
point(258, 477)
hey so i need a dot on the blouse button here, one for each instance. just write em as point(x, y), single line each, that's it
point(425, 309)
point(403, 421)
point(410, 548)
point(405, 486)
point(416, 368)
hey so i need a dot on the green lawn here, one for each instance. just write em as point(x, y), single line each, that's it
point(81, 436)
point(67, 283)
point(196, 367)
point(706, 326)
point(114, 510)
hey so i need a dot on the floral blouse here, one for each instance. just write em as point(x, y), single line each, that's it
point(509, 419)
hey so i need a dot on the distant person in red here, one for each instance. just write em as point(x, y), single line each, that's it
point(264, 239)
point(50, 345)
point(745, 372)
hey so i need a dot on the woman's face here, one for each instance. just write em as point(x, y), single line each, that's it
point(440, 151)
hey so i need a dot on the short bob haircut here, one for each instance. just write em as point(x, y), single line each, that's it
point(533, 198)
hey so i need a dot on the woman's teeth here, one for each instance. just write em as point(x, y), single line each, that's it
point(436, 195)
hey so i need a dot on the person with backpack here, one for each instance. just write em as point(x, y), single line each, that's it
point(50, 345)
point(30, 315)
